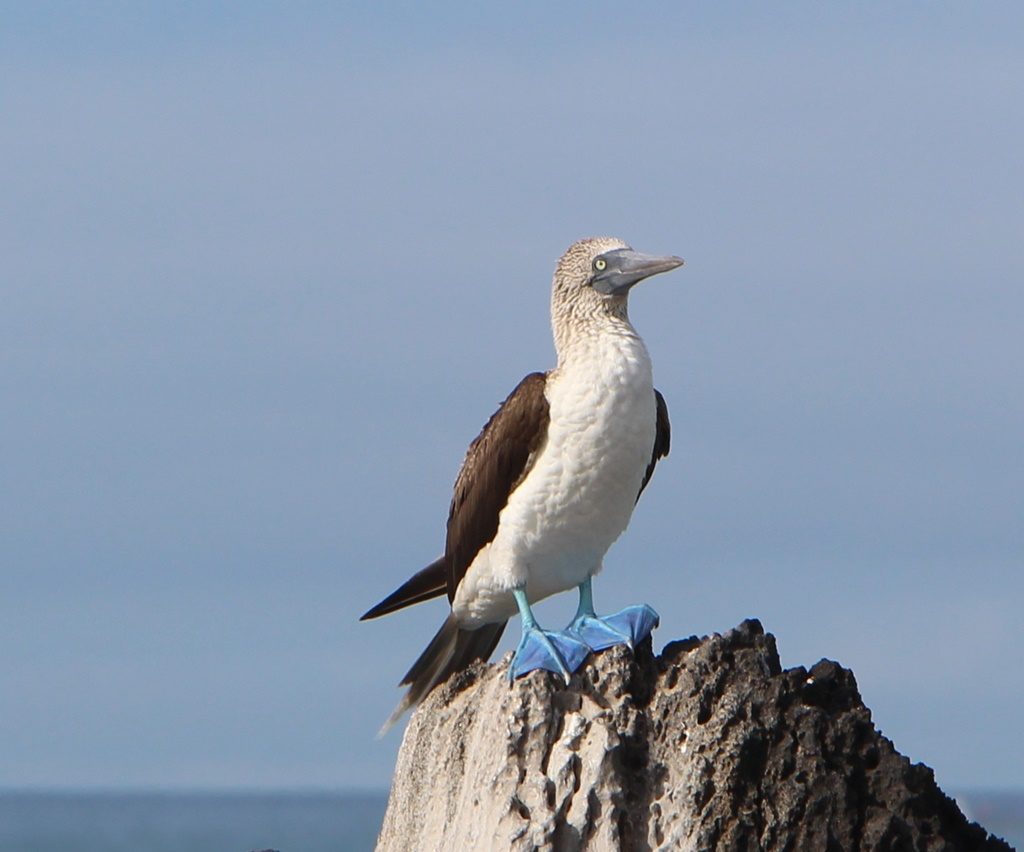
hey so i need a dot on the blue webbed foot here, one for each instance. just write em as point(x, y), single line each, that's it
point(555, 652)
point(629, 626)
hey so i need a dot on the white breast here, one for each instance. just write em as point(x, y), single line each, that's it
point(579, 496)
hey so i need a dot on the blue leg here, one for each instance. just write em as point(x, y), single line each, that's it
point(627, 627)
point(539, 649)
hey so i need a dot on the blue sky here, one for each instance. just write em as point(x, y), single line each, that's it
point(267, 270)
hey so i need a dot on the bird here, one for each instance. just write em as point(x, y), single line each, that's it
point(549, 484)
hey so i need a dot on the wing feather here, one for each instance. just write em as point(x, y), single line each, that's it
point(662, 439)
point(425, 584)
point(496, 462)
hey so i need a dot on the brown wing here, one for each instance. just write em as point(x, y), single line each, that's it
point(422, 586)
point(495, 464)
point(662, 439)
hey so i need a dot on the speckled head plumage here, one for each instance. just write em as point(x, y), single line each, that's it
point(575, 271)
point(592, 281)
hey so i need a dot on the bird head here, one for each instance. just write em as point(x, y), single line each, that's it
point(595, 275)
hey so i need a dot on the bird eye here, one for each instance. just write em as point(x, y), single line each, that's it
point(600, 264)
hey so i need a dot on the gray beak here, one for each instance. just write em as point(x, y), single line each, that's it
point(625, 267)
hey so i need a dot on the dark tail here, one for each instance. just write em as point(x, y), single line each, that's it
point(451, 650)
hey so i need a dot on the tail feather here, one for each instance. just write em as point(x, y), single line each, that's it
point(451, 650)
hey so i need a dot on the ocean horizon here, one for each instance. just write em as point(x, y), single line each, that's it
point(65, 820)
point(148, 820)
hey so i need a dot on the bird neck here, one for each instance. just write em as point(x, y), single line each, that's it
point(580, 333)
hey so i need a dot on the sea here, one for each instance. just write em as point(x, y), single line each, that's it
point(37, 821)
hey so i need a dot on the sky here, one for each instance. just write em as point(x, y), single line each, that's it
point(266, 270)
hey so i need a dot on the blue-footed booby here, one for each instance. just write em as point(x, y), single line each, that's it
point(549, 484)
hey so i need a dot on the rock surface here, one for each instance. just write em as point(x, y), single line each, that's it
point(708, 746)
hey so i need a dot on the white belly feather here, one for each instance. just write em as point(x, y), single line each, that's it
point(579, 496)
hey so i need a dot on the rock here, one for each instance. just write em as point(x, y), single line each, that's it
point(708, 746)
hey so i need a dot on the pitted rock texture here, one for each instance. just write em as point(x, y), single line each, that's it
point(708, 746)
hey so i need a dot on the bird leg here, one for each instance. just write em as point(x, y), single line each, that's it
point(626, 627)
point(539, 649)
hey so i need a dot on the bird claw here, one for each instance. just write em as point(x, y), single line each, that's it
point(555, 652)
point(629, 626)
